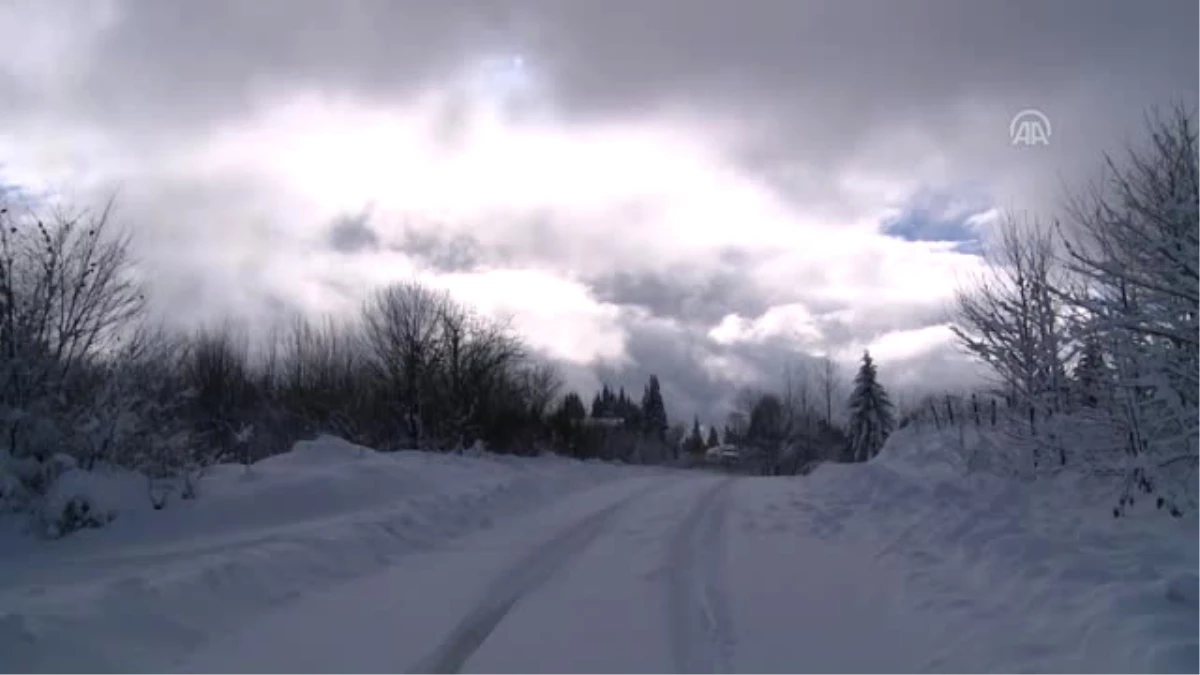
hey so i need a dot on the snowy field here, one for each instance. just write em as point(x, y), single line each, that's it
point(334, 558)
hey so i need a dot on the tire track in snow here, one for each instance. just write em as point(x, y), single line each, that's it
point(526, 576)
point(701, 629)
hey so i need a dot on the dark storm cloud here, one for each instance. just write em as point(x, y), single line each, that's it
point(819, 83)
point(700, 296)
point(676, 358)
point(855, 62)
point(444, 252)
point(501, 239)
point(187, 62)
point(353, 234)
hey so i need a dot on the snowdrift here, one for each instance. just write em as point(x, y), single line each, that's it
point(151, 584)
point(1116, 595)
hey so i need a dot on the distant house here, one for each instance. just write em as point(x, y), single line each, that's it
point(723, 454)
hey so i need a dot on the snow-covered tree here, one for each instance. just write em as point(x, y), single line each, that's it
point(1013, 317)
point(67, 296)
point(871, 418)
point(1134, 241)
point(1092, 380)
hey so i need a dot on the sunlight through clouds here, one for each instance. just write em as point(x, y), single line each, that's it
point(536, 159)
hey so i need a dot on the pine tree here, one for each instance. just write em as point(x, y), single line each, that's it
point(871, 419)
point(695, 441)
point(620, 405)
point(571, 408)
point(566, 422)
point(654, 411)
point(712, 441)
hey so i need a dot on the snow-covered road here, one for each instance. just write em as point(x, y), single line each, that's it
point(667, 573)
point(334, 558)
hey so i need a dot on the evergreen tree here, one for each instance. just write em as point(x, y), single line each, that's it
point(572, 408)
point(567, 423)
point(597, 406)
point(871, 419)
point(695, 441)
point(712, 441)
point(654, 411)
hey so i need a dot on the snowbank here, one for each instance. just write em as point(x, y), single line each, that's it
point(151, 584)
point(978, 549)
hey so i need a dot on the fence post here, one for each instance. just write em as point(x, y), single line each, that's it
point(975, 410)
point(949, 410)
point(993, 412)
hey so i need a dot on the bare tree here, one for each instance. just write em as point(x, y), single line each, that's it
point(738, 419)
point(318, 378)
point(403, 324)
point(828, 381)
point(477, 354)
point(215, 372)
point(1012, 318)
point(798, 395)
point(543, 384)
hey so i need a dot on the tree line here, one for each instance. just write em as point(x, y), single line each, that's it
point(86, 378)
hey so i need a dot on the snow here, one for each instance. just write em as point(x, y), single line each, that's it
point(1027, 576)
point(153, 584)
point(334, 558)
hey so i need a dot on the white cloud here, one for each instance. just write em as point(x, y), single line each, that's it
point(791, 321)
point(730, 368)
point(910, 344)
point(554, 314)
point(634, 193)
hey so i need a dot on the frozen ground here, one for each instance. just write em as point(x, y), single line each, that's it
point(337, 559)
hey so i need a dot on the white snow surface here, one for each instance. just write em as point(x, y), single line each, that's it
point(335, 558)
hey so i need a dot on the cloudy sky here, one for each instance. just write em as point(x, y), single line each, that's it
point(704, 189)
